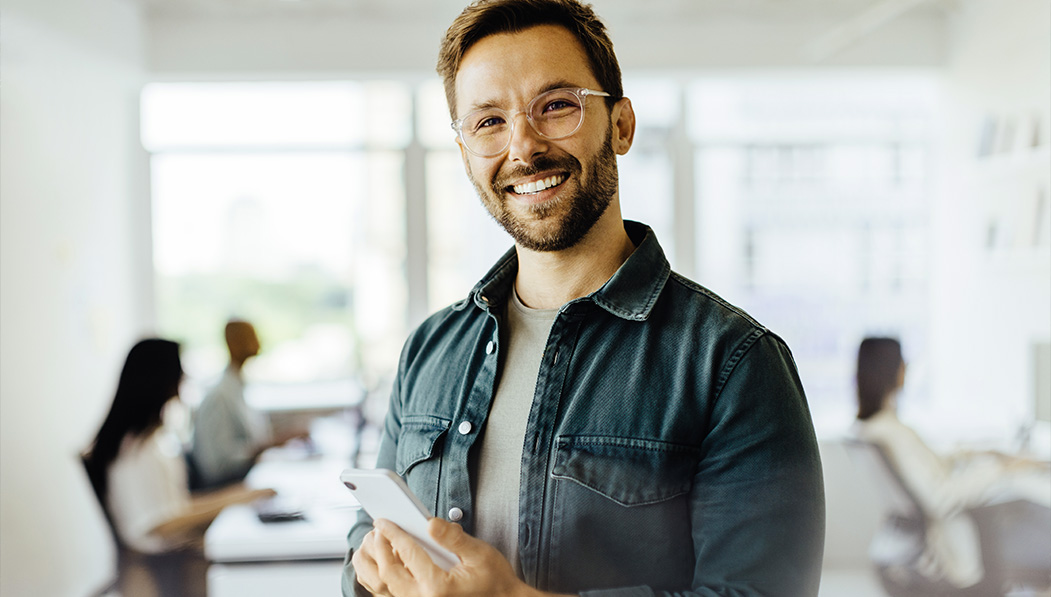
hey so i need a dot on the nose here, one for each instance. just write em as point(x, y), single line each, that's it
point(525, 143)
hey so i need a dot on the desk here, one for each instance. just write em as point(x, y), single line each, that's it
point(300, 557)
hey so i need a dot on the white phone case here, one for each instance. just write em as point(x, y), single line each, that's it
point(383, 494)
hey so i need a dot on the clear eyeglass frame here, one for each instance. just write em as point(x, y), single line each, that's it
point(581, 94)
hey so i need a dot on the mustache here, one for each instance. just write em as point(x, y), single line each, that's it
point(543, 163)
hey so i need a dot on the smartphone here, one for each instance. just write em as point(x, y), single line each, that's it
point(383, 494)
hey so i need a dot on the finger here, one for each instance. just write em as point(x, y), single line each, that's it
point(365, 571)
point(365, 568)
point(382, 552)
point(417, 562)
point(368, 543)
point(392, 570)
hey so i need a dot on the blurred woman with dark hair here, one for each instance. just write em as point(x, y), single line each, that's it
point(947, 485)
point(137, 469)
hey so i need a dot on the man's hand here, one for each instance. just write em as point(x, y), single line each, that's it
point(373, 548)
point(391, 563)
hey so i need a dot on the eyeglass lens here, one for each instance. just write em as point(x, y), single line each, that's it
point(554, 114)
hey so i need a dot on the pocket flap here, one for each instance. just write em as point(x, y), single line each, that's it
point(419, 434)
point(631, 472)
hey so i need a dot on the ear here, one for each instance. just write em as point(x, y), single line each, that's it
point(463, 155)
point(623, 118)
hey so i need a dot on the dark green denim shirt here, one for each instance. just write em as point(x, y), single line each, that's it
point(669, 449)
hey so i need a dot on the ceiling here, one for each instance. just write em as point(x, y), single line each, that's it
point(612, 11)
point(233, 35)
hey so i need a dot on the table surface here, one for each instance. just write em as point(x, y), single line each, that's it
point(310, 485)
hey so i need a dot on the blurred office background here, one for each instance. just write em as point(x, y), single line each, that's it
point(839, 168)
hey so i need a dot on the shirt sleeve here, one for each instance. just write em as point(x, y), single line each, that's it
point(942, 489)
point(757, 504)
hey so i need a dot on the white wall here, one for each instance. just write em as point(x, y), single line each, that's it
point(74, 272)
point(990, 306)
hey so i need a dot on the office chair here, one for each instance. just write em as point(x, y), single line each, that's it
point(898, 545)
point(141, 574)
point(113, 585)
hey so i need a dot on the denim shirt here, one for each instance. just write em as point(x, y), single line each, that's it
point(669, 449)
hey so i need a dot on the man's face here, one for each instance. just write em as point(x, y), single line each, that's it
point(508, 70)
point(252, 342)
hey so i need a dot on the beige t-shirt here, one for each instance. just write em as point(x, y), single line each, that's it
point(500, 460)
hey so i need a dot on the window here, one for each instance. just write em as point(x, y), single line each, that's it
point(282, 204)
point(463, 241)
point(813, 195)
point(336, 215)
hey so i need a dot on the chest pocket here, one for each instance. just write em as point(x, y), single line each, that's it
point(416, 444)
point(631, 472)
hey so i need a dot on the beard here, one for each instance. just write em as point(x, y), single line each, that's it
point(563, 221)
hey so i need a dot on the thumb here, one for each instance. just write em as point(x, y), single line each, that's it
point(476, 556)
point(449, 535)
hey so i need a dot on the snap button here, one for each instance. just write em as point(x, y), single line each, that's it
point(489, 348)
point(465, 428)
point(455, 514)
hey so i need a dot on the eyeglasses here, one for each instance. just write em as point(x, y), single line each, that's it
point(554, 114)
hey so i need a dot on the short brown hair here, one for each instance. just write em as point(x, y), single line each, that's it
point(488, 17)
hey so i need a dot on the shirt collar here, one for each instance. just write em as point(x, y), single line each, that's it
point(629, 294)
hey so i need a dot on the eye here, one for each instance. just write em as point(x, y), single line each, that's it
point(484, 123)
point(558, 104)
point(489, 121)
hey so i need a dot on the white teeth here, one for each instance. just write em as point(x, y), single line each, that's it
point(540, 185)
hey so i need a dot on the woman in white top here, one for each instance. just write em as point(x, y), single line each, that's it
point(139, 473)
point(946, 486)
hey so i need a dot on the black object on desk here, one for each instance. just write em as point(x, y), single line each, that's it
point(276, 509)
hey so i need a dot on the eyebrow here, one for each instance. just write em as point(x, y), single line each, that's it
point(492, 103)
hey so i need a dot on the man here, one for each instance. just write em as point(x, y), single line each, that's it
point(228, 434)
point(588, 421)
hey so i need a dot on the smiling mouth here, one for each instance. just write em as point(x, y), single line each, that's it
point(531, 188)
